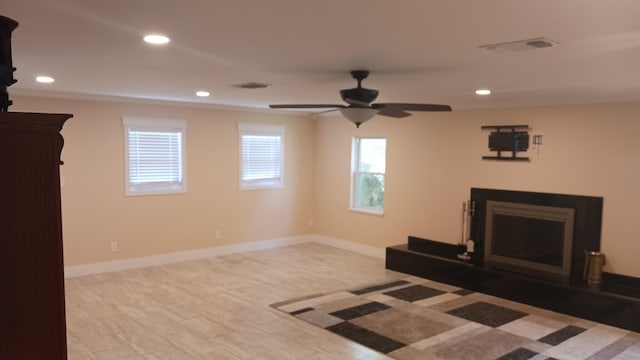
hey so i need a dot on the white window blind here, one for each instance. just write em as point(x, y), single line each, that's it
point(155, 156)
point(261, 155)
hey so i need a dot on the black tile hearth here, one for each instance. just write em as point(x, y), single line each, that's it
point(619, 284)
point(487, 314)
point(414, 293)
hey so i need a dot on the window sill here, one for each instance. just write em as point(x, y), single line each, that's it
point(156, 191)
point(367, 212)
point(264, 187)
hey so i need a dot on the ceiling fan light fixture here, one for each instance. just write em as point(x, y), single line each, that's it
point(358, 115)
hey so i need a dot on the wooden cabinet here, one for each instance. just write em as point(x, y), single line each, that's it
point(32, 307)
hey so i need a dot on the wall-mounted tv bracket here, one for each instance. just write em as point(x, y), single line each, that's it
point(508, 138)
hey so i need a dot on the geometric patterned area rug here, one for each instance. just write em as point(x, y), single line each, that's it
point(414, 318)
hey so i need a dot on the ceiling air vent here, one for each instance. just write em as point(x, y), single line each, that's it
point(521, 45)
point(252, 85)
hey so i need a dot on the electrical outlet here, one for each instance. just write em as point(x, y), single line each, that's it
point(114, 246)
point(310, 223)
point(218, 235)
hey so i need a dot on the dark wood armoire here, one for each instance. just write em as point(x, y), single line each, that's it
point(32, 304)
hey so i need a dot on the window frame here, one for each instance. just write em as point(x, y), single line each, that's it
point(356, 155)
point(156, 125)
point(252, 129)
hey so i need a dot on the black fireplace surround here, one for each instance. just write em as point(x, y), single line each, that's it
point(617, 304)
point(587, 220)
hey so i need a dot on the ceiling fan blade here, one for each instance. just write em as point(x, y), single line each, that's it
point(411, 107)
point(356, 103)
point(305, 106)
point(394, 113)
point(326, 111)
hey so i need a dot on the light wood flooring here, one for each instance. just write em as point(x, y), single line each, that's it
point(216, 308)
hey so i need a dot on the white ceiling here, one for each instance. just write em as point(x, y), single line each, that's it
point(417, 50)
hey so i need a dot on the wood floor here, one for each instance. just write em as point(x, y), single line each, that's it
point(216, 308)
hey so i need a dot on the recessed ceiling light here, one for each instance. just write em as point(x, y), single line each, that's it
point(45, 79)
point(483, 92)
point(156, 39)
point(202, 93)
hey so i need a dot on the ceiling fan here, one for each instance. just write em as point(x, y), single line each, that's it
point(360, 108)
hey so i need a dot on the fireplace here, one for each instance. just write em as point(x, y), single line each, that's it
point(532, 239)
point(539, 235)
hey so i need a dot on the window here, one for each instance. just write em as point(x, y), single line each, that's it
point(367, 175)
point(261, 156)
point(155, 153)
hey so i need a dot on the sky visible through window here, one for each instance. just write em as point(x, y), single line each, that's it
point(372, 155)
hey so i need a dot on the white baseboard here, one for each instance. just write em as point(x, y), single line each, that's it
point(146, 261)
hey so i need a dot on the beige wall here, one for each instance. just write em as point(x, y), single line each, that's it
point(432, 162)
point(434, 159)
point(96, 212)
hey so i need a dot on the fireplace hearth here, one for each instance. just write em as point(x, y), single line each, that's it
point(617, 303)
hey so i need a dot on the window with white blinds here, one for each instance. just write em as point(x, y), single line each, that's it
point(154, 151)
point(261, 156)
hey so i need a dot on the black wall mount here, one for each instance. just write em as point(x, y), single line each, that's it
point(508, 138)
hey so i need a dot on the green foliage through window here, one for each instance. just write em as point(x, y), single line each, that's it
point(371, 192)
point(369, 162)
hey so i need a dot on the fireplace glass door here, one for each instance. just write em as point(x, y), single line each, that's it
point(532, 239)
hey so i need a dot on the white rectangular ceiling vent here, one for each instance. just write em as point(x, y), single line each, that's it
point(521, 45)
